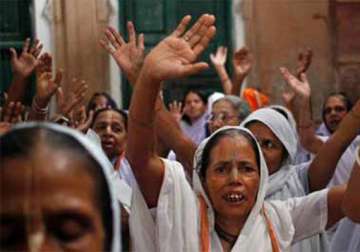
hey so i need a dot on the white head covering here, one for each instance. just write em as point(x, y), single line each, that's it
point(278, 124)
point(97, 154)
point(255, 226)
point(289, 115)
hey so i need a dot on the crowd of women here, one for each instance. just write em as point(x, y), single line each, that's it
point(229, 172)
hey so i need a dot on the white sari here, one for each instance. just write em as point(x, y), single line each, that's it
point(176, 223)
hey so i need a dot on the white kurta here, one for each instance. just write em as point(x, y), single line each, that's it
point(347, 237)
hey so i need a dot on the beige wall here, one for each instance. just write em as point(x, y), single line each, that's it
point(78, 26)
point(276, 30)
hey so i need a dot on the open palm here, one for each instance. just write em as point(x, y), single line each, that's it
point(300, 87)
point(24, 65)
point(129, 55)
point(174, 57)
point(242, 62)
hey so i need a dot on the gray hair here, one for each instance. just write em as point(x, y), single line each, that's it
point(241, 107)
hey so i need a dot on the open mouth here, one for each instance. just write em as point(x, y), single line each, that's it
point(107, 144)
point(234, 197)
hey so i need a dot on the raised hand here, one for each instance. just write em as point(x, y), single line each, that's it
point(242, 63)
point(24, 65)
point(300, 87)
point(45, 64)
point(129, 56)
point(83, 121)
point(219, 58)
point(288, 97)
point(304, 62)
point(174, 56)
point(12, 112)
point(46, 87)
point(176, 110)
point(75, 98)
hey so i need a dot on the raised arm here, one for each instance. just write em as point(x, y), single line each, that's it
point(219, 60)
point(351, 202)
point(289, 96)
point(242, 64)
point(173, 57)
point(323, 166)
point(306, 129)
point(23, 66)
point(129, 56)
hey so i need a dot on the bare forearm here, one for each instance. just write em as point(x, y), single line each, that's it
point(16, 91)
point(237, 83)
point(224, 79)
point(306, 127)
point(324, 164)
point(170, 133)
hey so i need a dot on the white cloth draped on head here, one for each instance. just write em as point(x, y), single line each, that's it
point(175, 224)
point(281, 128)
point(290, 180)
point(97, 154)
point(255, 226)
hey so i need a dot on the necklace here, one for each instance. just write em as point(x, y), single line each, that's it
point(229, 238)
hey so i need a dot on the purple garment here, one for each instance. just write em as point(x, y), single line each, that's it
point(196, 131)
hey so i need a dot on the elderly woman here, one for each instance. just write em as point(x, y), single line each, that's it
point(66, 204)
point(229, 110)
point(225, 208)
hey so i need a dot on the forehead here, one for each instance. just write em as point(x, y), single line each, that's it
point(57, 181)
point(222, 106)
point(333, 101)
point(230, 148)
point(100, 98)
point(192, 96)
point(110, 116)
point(261, 131)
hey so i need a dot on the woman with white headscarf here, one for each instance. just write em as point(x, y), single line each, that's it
point(225, 208)
point(279, 144)
point(56, 192)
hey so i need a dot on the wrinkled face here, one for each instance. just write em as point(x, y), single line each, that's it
point(101, 102)
point(334, 111)
point(272, 148)
point(49, 206)
point(223, 114)
point(110, 127)
point(194, 107)
point(232, 178)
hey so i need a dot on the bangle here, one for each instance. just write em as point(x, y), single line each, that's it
point(352, 112)
point(37, 109)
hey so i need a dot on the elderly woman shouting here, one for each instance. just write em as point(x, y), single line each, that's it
point(224, 209)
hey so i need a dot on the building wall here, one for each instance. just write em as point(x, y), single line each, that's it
point(276, 31)
point(70, 31)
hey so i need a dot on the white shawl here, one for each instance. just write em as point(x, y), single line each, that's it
point(98, 155)
point(290, 180)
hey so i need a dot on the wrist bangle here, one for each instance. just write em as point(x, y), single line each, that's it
point(37, 109)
